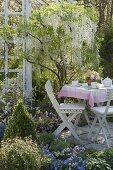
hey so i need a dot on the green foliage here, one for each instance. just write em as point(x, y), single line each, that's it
point(90, 151)
point(106, 52)
point(45, 138)
point(90, 61)
point(20, 124)
point(60, 144)
point(18, 154)
point(101, 160)
point(7, 32)
point(51, 30)
point(68, 9)
point(107, 155)
point(98, 164)
point(39, 79)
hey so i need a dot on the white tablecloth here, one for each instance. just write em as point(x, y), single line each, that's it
point(85, 92)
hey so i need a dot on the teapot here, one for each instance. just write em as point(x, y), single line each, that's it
point(107, 82)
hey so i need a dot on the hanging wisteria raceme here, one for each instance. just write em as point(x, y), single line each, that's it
point(78, 27)
point(59, 32)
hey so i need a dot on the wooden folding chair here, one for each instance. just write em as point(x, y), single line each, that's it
point(66, 111)
point(101, 113)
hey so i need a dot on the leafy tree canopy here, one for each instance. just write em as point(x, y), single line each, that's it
point(54, 29)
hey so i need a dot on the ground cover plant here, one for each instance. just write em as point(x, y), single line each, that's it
point(18, 154)
point(101, 160)
point(46, 121)
point(68, 159)
point(61, 154)
point(64, 154)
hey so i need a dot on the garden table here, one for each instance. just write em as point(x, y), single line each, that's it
point(85, 92)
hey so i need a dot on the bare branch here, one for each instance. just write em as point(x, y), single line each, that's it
point(48, 68)
point(35, 37)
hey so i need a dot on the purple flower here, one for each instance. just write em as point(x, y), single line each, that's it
point(68, 150)
point(92, 77)
point(74, 155)
point(74, 164)
point(76, 148)
point(80, 168)
point(66, 161)
point(68, 158)
point(79, 148)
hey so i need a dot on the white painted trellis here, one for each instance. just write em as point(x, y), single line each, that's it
point(6, 13)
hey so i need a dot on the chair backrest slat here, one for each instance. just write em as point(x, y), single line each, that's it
point(51, 95)
point(109, 97)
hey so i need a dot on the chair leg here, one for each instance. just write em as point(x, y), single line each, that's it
point(92, 127)
point(72, 116)
point(67, 123)
point(77, 120)
point(86, 117)
point(72, 130)
point(71, 127)
point(107, 126)
point(101, 122)
point(105, 137)
point(62, 125)
point(59, 129)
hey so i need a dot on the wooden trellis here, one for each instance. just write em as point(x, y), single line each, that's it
point(10, 12)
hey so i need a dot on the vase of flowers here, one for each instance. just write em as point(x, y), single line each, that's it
point(91, 76)
point(89, 82)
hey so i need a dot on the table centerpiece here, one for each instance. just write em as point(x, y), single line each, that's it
point(91, 76)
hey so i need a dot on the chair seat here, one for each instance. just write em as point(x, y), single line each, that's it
point(70, 106)
point(101, 110)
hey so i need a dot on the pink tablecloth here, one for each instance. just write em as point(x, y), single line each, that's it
point(92, 95)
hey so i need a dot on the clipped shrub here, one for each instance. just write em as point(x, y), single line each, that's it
point(20, 123)
point(18, 154)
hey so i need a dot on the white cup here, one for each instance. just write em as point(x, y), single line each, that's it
point(75, 82)
point(94, 85)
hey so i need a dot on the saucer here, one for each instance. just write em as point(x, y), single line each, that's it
point(75, 85)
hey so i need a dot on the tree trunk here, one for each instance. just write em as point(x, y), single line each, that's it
point(111, 12)
point(102, 6)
